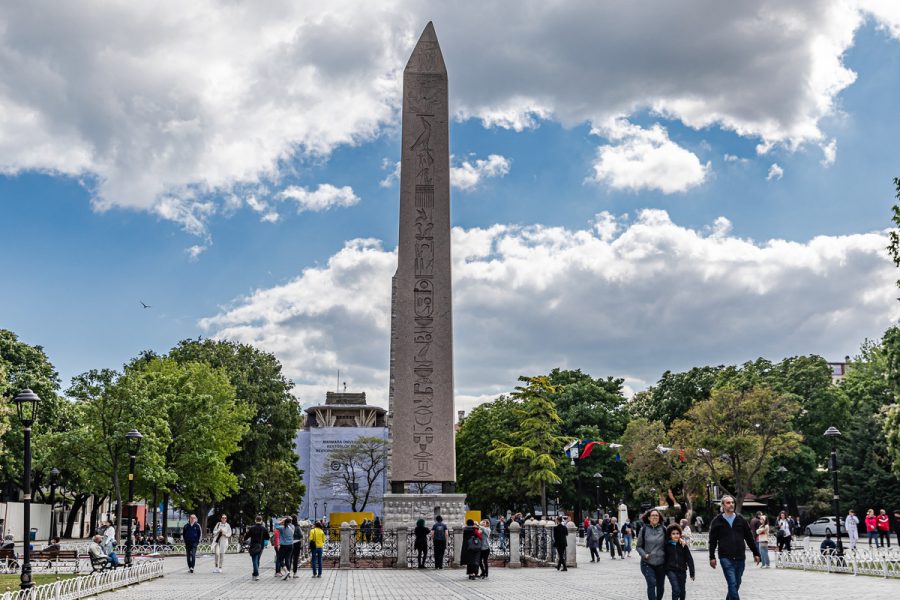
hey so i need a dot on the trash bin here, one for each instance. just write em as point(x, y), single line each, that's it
point(33, 534)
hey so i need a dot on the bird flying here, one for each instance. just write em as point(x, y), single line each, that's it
point(144, 305)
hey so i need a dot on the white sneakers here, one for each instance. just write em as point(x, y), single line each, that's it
point(217, 570)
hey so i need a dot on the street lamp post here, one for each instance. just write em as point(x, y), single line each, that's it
point(833, 433)
point(133, 441)
point(315, 511)
point(598, 479)
point(26, 408)
point(54, 474)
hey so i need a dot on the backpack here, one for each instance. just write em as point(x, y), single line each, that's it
point(474, 544)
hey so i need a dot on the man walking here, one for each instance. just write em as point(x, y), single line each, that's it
point(191, 533)
point(439, 539)
point(851, 524)
point(729, 532)
point(560, 542)
point(257, 536)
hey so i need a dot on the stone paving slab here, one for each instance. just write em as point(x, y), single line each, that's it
point(607, 580)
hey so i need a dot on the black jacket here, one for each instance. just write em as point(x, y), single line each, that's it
point(730, 539)
point(257, 536)
point(678, 558)
point(560, 536)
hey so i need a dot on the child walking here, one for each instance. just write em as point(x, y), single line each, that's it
point(678, 562)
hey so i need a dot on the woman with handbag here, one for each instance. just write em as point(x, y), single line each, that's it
point(221, 534)
point(257, 536)
point(421, 542)
point(316, 544)
point(471, 548)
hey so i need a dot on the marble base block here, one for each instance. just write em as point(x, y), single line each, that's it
point(403, 510)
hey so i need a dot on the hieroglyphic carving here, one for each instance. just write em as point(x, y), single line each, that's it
point(423, 294)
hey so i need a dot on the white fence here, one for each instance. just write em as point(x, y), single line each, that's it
point(881, 562)
point(153, 549)
point(90, 585)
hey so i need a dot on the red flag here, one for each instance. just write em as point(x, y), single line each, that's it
point(681, 455)
point(587, 449)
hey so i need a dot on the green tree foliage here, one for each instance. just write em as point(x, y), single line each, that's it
point(483, 478)
point(107, 406)
point(894, 235)
point(360, 465)
point(25, 366)
point(674, 394)
point(205, 421)
point(737, 432)
point(534, 456)
point(268, 445)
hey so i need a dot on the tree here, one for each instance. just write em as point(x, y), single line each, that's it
point(108, 405)
point(359, 467)
point(736, 433)
point(681, 473)
point(894, 235)
point(534, 459)
point(481, 477)
point(275, 416)
point(674, 394)
point(205, 424)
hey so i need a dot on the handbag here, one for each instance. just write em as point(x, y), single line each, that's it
point(474, 544)
point(312, 545)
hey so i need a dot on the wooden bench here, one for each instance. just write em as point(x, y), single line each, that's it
point(55, 558)
point(8, 560)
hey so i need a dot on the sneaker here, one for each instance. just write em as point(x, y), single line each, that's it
point(191, 570)
point(277, 573)
point(286, 576)
point(256, 578)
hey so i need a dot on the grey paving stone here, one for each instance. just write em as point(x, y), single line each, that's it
point(607, 580)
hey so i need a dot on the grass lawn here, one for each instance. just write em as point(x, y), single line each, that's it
point(10, 583)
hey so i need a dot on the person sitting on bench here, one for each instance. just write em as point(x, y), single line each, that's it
point(53, 546)
point(95, 551)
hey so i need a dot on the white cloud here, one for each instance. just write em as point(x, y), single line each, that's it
point(645, 159)
point(468, 175)
point(648, 296)
point(391, 178)
point(324, 197)
point(829, 153)
point(775, 172)
point(159, 107)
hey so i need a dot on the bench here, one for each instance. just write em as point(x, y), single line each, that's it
point(101, 563)
point(8, 560)
point(55, 558)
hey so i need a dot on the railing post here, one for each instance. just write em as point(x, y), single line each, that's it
point(457, 533)
point(571, 546)
point(402, 549)
point(345, 545)
point(515, 532)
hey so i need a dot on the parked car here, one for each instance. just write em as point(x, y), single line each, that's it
point(824, 526)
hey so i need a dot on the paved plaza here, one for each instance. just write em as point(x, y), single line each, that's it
point(613, 580)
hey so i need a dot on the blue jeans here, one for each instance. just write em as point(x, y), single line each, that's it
point(190, 549)
point(113, 559)
point(315, 560)
point(626, 539)
point(733, 571)
point(254, 559)
point(656, 580)
point(763, 548)
point(678, 583)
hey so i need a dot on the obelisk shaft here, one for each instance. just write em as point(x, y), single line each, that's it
point(422, 433)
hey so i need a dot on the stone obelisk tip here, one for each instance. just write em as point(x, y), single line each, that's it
point(426, 57)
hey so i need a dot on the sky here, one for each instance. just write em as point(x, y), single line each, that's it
point(636, 187)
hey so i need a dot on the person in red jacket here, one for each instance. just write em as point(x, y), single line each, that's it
point(884, 528)
point(872, 527)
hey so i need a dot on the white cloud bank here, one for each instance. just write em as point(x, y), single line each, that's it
point(325, 197)
point(468, 175)
point(158, 107)
point(625, 297)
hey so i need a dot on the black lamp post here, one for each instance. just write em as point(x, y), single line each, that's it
point(315, 511)
point(54, 475)
point(598, 479)
point(26, 408)
point(833, 433)
point(133, 441)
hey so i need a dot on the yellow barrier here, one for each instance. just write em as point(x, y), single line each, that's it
point(475, 515)
point(336, 518)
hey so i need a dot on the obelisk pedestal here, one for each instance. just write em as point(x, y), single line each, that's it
point(421, 396)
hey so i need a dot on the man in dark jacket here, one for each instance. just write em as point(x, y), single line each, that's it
point(560, 541)
point(191, 533)
point(729, 532)
point(257, 536)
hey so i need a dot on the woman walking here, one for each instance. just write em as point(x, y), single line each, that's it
point(471, 548)
point(651, 548)
point(286, 548)
point(627, 535)
point(421, 543)
point(295, 551)
point(592, 537)
point(220, 535)
point(316, 544)
point(486, 548)
point(884, 528)
point(614, 539)
point(762, 540)
point(783, 532)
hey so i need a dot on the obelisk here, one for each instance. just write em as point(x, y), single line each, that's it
point(421, 395)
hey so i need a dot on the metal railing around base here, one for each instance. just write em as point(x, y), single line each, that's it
point(880, 562)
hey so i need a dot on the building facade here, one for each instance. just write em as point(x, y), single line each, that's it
point(343, 419)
